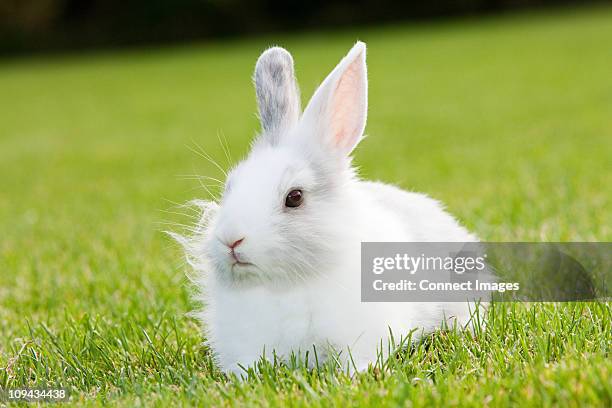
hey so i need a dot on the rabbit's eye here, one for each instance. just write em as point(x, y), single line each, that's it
point(294, 198)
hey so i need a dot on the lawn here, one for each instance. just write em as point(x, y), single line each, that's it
point(508, 120)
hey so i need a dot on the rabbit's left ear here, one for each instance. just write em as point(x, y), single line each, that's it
point(338, 109)
point(278, 96)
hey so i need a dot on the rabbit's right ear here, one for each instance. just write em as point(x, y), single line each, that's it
point(278, 97)
point(337, 112)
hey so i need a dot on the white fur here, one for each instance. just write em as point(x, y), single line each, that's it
point(303, 287)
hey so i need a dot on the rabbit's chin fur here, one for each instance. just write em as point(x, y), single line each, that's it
point(298, 286)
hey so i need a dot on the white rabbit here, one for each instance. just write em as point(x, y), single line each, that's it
point(278, 260)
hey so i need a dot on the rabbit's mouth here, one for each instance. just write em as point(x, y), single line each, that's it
point(238, 263)
point(237, 260)
point(243, 272)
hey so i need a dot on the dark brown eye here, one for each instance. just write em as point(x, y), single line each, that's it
point(294, 198)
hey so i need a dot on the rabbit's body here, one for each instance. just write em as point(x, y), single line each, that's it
point(326, 310)
point(422, 218)
point(279, 261)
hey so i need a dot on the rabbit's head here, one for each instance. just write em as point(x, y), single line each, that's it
point(278, 218)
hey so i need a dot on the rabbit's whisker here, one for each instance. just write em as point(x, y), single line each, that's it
point(202, 153)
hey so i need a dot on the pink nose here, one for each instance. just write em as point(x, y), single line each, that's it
point(236, 243)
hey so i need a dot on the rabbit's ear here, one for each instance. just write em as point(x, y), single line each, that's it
point(277, 92)
point(338, 109)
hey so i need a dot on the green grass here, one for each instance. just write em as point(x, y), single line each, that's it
point(508, 120)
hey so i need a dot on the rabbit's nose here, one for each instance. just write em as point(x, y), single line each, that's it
point(235, 243)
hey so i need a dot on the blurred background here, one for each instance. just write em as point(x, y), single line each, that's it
point(36, 25)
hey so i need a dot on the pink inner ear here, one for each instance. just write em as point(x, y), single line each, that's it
point(348, 112)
